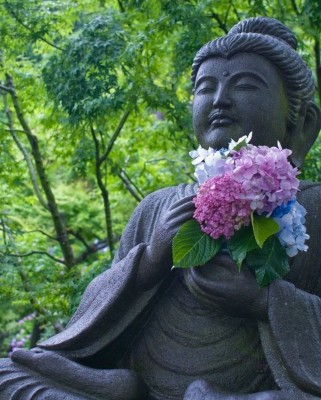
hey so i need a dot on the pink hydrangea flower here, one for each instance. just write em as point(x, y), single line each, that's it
point(221, 207)
point(237, 182)
point(267, 177)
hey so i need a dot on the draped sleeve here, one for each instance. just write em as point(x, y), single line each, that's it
point(82, 361)
point(292, 337)
point(111, 302)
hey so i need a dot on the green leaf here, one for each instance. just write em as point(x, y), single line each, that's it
point(192, 247)
point(243, 143)
point(269, 263)
point(263, 228)
point(241, 243)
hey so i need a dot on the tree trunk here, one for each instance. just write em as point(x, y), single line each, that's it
point(60, 228)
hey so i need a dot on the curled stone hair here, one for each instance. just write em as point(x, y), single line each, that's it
point(271, 39)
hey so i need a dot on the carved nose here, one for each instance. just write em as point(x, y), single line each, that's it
point(222, 99)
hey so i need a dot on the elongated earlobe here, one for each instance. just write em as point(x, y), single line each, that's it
point(301, 138)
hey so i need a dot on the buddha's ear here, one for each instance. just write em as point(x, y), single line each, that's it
point(302, 136)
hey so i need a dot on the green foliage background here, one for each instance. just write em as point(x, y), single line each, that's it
point(94, 115)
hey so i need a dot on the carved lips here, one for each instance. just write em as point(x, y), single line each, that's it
point(221, 118)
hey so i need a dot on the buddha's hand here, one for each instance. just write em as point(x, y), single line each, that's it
point(159, 249)
point(157, 259)
point(221, 286)
point(62, 378)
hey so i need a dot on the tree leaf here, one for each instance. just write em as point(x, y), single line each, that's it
point(241, 243)
point(269, 263)
point(263, 228)
point(192, 247)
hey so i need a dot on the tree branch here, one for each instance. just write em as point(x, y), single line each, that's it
point(36, 230)
point(91, 250)
point(5, 88)
point(133, 183)
point(129, 184)
point(227, 12)
point(317, 65)
point(121, 7)
point(114, 137)
point(25, 155)
point(42, 232)
point(221, 24)
point(4, 232)
point(235, 11)
point(129, 187)
point(16, 130)
point(15, 16)
point(295, 7)
point(78, 236)
point(104, 191)
point(31, 253)
point(5, 124)
point(26, 286)
point(60, 228)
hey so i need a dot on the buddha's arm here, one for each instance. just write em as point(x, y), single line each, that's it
point(289, 321)
point(292, 339)
point(34, 378)
point(157, 258)
point(44, 374)
point(120, 287)
point(110, 304)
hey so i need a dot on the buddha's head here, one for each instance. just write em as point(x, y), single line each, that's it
point(253, 80)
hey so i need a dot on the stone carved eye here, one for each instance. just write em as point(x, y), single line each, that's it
point(246, 86)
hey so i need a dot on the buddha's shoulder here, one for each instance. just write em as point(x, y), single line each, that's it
point(307, 187)
point(155, 203)
point(310, 195)
point(171, 193)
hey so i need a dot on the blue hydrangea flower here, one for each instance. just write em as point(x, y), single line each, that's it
point(283, 209)
point(292, 234)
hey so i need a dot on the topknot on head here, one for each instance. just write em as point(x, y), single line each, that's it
point(265, 26)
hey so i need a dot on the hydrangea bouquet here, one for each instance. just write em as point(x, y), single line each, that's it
point(246, 204)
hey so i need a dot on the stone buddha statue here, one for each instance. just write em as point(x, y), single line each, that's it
point(145, 331)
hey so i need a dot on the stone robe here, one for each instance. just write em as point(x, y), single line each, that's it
point(115, 318)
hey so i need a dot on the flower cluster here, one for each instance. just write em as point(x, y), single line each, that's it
point(292, 234)
point(211, 162)
point(208, 163)
point(19, 342)
point(22, 337)
point(267, 177)
point(219, 209)
point(243, 179)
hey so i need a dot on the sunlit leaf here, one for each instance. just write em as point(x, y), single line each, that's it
point(192, 247)
point(263, 228)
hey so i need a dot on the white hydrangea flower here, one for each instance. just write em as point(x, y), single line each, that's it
point(214, 164)
point(208, 163)
point(200, 173)
point(200, 154)
point(244, 140)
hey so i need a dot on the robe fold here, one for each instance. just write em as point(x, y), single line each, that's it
point(113, 310)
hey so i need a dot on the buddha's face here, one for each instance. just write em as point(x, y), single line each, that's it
point(236, 96)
